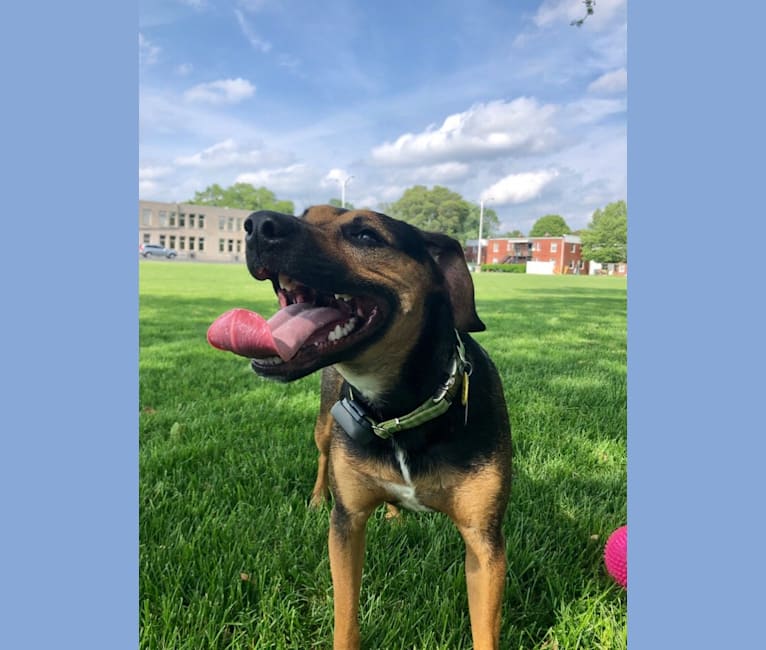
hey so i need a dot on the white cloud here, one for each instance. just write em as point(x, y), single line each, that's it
point(334, 177)
point(254, 39)
point(521, 126)
point(610, 82)
point(293, 179)
point(592, 110)
point(147, 51)
point(222, 91)
point(229, 153)
point(442, 173)
point(149, 172)
point(162, 112)
point(519, 188)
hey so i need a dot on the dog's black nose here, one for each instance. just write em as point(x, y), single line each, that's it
point(269, 228)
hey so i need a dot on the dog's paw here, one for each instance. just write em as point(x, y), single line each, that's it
point(392, 512)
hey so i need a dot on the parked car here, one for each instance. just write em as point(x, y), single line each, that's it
point(150, 250)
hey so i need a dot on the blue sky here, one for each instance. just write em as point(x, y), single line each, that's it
point(501, 100)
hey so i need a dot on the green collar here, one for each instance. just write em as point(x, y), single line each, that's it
point(434, 406)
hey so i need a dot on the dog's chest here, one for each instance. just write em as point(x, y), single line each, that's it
point(405, 493)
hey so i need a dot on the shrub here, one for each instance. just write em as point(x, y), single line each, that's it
point(504, 268)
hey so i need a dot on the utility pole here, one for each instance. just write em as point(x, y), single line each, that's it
point(481, 231)
point(343, 190)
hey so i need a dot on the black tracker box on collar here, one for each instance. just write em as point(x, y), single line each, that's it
point(349, 415)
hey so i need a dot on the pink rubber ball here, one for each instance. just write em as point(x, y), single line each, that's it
point(616, 556)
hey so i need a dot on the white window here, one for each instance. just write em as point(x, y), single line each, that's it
point(146, 217)
point(554, 247)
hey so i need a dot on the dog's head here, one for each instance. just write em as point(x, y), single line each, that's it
point(352, 285)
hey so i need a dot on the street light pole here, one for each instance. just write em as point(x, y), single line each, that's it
point(343, 190)
point(481, 231)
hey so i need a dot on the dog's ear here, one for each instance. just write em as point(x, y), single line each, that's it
point(449, 257)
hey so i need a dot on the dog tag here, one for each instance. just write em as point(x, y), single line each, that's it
point(464, 396)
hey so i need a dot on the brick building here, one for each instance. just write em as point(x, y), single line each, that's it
point(548, 254)
point(564, 253)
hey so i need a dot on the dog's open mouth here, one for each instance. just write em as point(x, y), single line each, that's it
point(310, 325)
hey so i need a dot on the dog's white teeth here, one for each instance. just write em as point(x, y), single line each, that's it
point(341, 331)
point(343, 296)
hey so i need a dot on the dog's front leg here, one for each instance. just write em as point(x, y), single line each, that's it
point(485, 566)
point(347, 537)
point(322, 436)
point(477, 509)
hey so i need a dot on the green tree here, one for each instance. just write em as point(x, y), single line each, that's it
point(244, 196)
point(514, 233)
point(336, 203)
point(442, 210)
point(606, 238)
point(552, 225)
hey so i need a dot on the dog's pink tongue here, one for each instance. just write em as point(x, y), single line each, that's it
point(242, 332)
point(250, 335)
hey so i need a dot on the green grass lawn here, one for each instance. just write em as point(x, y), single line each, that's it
point(231, 557)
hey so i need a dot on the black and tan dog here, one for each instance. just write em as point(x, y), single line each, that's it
point(415, 414)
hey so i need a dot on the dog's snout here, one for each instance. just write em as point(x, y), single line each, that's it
point(269, 228)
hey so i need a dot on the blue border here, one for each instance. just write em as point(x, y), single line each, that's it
point(68, 464)
point(696, 330)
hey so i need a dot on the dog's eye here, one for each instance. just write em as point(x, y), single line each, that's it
point(368, 237)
